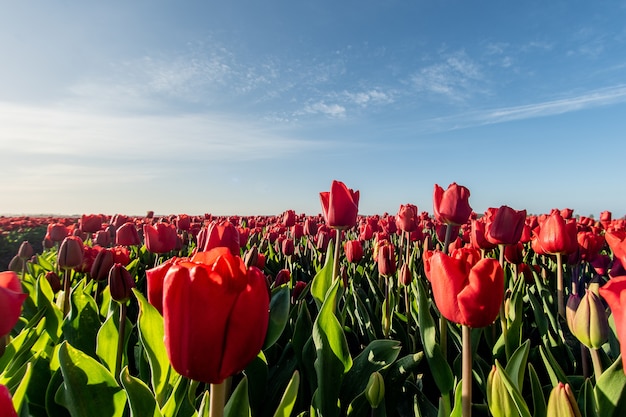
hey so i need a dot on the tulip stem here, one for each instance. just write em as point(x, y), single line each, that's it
point(336, 258)
point(217, 400)
point(67, 277)
point(503, 321)
point(120, 341)
point(559, 284)
point(597, 363)
point(466, 388)
point(443, 322)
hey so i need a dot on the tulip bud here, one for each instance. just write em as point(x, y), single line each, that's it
point(405, 276)
point(282, 277)
point(16, 264)
point(562, 403)
point(101, 265)
point(54, 281)
point(26, 250)
point(251, 256)
point(120, 283)
point(298, 287)
point(375, 390)
point(590, 322)
point(70, 252)
point(500, 402)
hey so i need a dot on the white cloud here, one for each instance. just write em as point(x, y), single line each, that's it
point(332, 110)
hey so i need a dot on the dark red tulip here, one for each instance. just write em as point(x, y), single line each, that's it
point(452, 205)
point(6, 403)
point(71, 252)
point(386, 258)
point(57, 232)
point(282, 277)
point(127, 235)
point(298, 287)
point(215, 315)
point(11, 299)
point(102, 238)
point(340, 206)
point(353, 250)
point(405, 276)
point(183, 222)
point(310, 226)
point(102, 265)
point(514, 254)
point(26, 250)
point(289, 218)
point(467, 290)
point(54, 281)
point(121, 283)
point(160, 238)
point(505, 226)
point(90, 223)
point(407, 218)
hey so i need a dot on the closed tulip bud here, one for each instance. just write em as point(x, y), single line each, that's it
point(16, 264)
point(590, 323)
point(570, 310)
point(183, 222)
point(514, 254)
point(120, 283)
point(407, 219)
point(406, 276)
point(250, 257)
point(340, 206)
point(101, 265)
point(375, 389)
point(498, 398)
point(282, 277)
point(70, 253)
point(287, 247)
point(127, 235)
point(102, 238)
point(562, 402)
point(353, 250)
point(289, 218)
point(452, 205)
point(54, 281)
point(57, 232)
point(298, 287)
point(260, 261)
point(26, 250)
point(386, 259)
point(557, 235)
point(6, 403)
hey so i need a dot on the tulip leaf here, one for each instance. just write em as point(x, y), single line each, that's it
point(80, 327)
point(333, 357)
point(457, 410)
point(150, 325)
point(289, 398)
point(19, 395)
point(44, 300)
point(323, 280)
point(554, 369)
point(610, 391)
point(516, 396)
point(238, 404)
point(516, 365)
point(88, 389)
point(177, 398)
point(279, 315)
point(141, 400)
point(205, 405)
point(376, 356)
point(107, 339)
point(539, 400)
point(256, 372)
point(587, 400)
point(441, 372)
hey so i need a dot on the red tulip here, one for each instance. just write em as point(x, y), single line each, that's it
point(386, 258)
point(614, 292)
point(353, 250)
point(160, 238)
point(90, 223)
point(222, 234)
point(617, 242)
point(102, 265)
point(183, 222)
point(282, 277)
point(506, 226)
point(154, 279)
point(57, 232)
point(590, 244)
point(340, 206)
point(121, 283)
point(557, 236)
point(289, 218)
point(11, 299)
point(71, 252)
point(467, 290)
point(452, 205)
point(6, 403)
point(477, 236)
point(514, 254)
point(287, 247)
point(215, 315)
point(127, 235)
point(407, 218)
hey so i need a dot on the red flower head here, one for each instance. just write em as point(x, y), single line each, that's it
point(407, 218)
point(354, 251)
point(452, 205)
point(183, 222)
point(215, 315)
point(6, 403)
point(386, 258)
point(57, 232)
point(340, 206)
point(467, 290)
point(90, 223)
point(506, 226)
point(614, 292)
point(11, 299)
point(617, 242)
point(154, 278)
point(127, 235)
point(558, 236)
point(160, 238)
point(222, 234)
point(71, 252)
point(289, 218)
point(477, 236)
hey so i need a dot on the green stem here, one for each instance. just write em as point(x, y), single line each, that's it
point(503, 322)
point(217, 400)
point(67, 278)
point(120, 340)
point(559, 284)
point(336, 258)
point(597, 363)
point(466, 388)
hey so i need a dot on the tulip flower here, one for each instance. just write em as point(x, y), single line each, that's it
point(11, 299)
point(587, 320)
point(26, 250)
point(160, 238)
point(556, 236)
point(121, 283)
point(617, 242)
point(57, 232)
point(467, 290)
point(154, 278)
point(614, 292)
point(101, 265)
point(282, 277)
point(6, 403)
point(126, 235)
point(353, 250)
point(183, 222)
point(562, 402)
point(340, 206)
point(407, 218)
point(71, 252)
point(222, 234)
point(505, 226)
point(90, 223)
point(386, 258)
point(477, 236)
point(287, 247)
point(215, 314)
point(289, 218)
point(452, 205)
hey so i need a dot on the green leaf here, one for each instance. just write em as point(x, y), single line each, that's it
point(288, 400)
point(150, 325)
point(376, 356)
point(279, 315)
point(80, 327)
point(610, 391)
point(256, 372)
point(539, 400)
point(141, 400)
point(88, 389)
point(323, 280)
point(516, 395)
point(333, 357)
point(457, 411)
point(554, 369)
point(587, 400)
point(107, 339)
point(441, 372)
point(205, 405)
point(517, 364)
point(238, 404)
point(177, 398)
point(20, 393)
point(45, 302)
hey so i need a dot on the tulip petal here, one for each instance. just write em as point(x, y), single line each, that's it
point(479, 302)
point(447, 280)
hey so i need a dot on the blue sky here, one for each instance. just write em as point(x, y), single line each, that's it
point(247, 107)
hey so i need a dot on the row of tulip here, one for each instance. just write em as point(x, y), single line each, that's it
point(335, 314)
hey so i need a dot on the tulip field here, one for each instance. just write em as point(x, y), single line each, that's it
point(438, 312)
